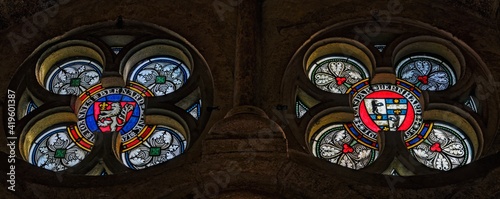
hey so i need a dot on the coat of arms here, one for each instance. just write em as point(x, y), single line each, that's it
point(112, 116)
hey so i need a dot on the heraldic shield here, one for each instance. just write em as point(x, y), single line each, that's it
point(387, 111)
point(114, 113)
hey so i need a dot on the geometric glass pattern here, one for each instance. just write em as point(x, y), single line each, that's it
point(73, 77)
point(336, 74)
point(426, 72)
point(55, 150)
point(444, 147)
point(195, 110)
point(161, 75)
point(104, 172)
point(338, 145)
point(380, 48)
point(162, 145)
point(300, 108)
point(472, 103)
point(116, 50)
point(30, 107)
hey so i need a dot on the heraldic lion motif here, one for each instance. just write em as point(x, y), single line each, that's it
point(110, 117)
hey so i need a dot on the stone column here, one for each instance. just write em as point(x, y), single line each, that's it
point(246, 61)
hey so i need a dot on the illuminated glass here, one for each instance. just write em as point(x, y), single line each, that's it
point(161, 75)
point(163, 144)
point(442, 147)
point(426, 72)
point(336, 74)
point(55, 150)
point(73, 77)
point(337, 144)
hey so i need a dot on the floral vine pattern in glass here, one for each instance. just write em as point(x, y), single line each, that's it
point(55, 150)
point(73, 77)
point(161, 75)
point(162, 145)
point(426, 72)
point(335, 144)
point(336, 74)
point(444, 148)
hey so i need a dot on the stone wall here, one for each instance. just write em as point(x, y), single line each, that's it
point(244, 153)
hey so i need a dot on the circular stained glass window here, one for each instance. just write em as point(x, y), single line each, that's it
point(163, 144)
point(56, 150)
point(161, 75)
point(442, 147)
point(73, 77)
point(336, 74)
point(337, 144)
point(426, 72)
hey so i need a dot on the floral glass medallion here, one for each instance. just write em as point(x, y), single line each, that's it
point(426, 72)
point(55, 150)
point(444, 147)
point(338, 145)
point(161, 75)
point(336, 74)
point(73, 77)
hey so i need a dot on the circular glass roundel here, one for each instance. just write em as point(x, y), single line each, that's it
point(163, 144)
point(111, 110)
point(338, 145)
point(73, 77)
point(336, 74)
point(161, 75)
point(55, 150)
point(386, 107)
point(444, 147)
point(426, 72)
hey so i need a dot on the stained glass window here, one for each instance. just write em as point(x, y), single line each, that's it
point(382, 108)
point(116, 50)
point(442, 147)
point(300, 108)
point(338, 144)
point(55, 149)
point(110, 110)
point(386, 107)
point(30, 107)
point(426, 72)
point(472, 103)
point(163, 144)
point(195, 110)
point(161, 75)
point(336, 74)
point(380, 47)
point(65, 130)
point(73, 77)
